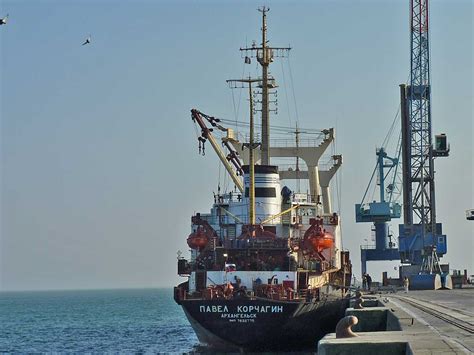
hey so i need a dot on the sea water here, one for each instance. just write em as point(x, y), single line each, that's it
point(136, 320)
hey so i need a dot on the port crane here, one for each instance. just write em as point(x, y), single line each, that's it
point(381, 212)
point(421, 241)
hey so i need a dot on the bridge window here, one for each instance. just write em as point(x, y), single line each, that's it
point(262, 192)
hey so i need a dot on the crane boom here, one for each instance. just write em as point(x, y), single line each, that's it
point(419, 167)
point(207, 134)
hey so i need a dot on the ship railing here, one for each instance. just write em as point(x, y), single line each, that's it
point(235, 243)
point(226, 219)
point(292, 167)
point(206, 217)
point(302, 142)
point(225, 198)
point(327, 161)
point(244, 219)
point(302, 168)
point(210, 294)
point(273, 292)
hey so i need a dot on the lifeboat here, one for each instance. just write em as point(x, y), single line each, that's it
point(198, 240)
point(316, 238)
point(322, 242)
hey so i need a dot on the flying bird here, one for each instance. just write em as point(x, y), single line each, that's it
point(3, 21)
point(87, 41)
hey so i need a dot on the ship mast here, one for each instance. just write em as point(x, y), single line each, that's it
point(251, 161)
point(265, 62)
point(251, 145)
point(265, 55)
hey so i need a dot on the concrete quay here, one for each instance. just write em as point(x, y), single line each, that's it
point(418, 322)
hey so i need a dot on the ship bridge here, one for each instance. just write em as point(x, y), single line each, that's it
point(310, 148)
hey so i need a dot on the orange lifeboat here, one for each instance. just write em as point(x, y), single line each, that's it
point(198, 240)
point(322, 242)
point(316, 238)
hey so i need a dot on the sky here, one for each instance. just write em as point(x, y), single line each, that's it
point(100, 172)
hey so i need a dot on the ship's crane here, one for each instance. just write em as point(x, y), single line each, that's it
point(421, 240)
point(206, 134)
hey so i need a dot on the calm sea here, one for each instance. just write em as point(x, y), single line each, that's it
point(123, 321)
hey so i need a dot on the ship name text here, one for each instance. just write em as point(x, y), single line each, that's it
point(241, 309)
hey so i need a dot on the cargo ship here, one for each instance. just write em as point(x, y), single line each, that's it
point(266, 269)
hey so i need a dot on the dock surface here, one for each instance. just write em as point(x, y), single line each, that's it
point(430, 322)
point(448, 314)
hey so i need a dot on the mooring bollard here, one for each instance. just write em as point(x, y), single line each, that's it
point(358, 303)
point(343, 327)
point(358, 300)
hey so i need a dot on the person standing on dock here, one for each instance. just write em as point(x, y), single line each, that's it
point(406, 284)
point(369, 281)
point(364, 281)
